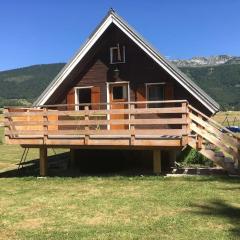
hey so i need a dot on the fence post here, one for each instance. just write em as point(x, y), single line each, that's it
point(199, 137)
point(6, 127)
point(45, 126)
point(132, 126)
point(86, 118)
point(184, 126)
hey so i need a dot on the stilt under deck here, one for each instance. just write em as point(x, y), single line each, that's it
point(138, 125)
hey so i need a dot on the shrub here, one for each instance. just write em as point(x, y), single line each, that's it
point(190, 157)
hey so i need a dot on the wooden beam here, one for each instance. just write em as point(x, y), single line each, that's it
point(157, 168)
point(43, 161)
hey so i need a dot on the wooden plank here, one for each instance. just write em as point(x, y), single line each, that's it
point(86, 127)
point(163, 121)
point(104, 104)
point(22, 141)
point(214, 140)
point(132, 121)
point(233, 142)
point(45, 126)
point(163, 143)
point(70, 99)
point(6, 128)
point(132, 127)
point(102, 112)
point(215, 124)
point(95, 97)
point(208, 153)
point(103, 132)
point(184, 127)
point(116, 142)
point(66, 142)
point(100, 142)
point(25, 123)
point(199, 137)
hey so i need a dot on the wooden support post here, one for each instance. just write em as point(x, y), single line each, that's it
point(6, 128)
point(43, 161)
point(86, 108)
point(199, 137)
point(132, 126)
point(237, 160)
point(157, 168)
point(72, 158)
point(184, 126)
point(45, 126)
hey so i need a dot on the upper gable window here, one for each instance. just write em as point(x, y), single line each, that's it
point(117, 54)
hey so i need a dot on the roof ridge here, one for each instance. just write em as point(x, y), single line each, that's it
point(113, 17)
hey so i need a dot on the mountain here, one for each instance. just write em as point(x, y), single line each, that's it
point(221, 82)
point(28, 82)
point(207, 61)
point(219, 76)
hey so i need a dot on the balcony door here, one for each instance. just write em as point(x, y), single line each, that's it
point(118, 95)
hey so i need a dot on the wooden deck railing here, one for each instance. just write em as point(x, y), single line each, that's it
point(209, 132)
point(104, 124)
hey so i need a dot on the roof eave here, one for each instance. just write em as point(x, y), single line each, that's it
point(112, 17)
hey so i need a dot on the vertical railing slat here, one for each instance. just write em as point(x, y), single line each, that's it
point(86, 117)
point(132, 126)
point(45, 125)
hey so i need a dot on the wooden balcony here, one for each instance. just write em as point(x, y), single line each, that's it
point(126, 125)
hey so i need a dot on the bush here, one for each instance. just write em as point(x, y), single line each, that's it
point(190, 157)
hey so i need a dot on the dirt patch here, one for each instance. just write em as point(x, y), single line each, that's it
point(7, 234)
point(32, 223)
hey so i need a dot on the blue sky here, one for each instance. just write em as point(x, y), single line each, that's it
point(49, 31)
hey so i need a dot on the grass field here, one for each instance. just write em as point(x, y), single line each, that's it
point(232, 116)
point(117, 207)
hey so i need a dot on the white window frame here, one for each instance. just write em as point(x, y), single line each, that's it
point(76, 89)
point(123, 54)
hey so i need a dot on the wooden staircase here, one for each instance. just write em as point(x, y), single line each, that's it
point(214, 141)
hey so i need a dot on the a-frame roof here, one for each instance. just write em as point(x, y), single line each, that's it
point(113, 18)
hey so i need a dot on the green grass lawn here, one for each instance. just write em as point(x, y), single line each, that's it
point(117, 207)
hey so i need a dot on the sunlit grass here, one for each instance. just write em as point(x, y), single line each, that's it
point(146, 207)
point(119, 208)
point(233, 118)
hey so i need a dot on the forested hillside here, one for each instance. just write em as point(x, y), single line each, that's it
point(222, 82)
point(26, 83)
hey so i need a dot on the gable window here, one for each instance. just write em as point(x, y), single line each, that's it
point(155, 92)
point(117, 54)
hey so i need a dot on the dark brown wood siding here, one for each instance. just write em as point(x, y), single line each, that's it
point(138, 70)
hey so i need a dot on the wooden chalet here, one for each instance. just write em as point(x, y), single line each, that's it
point(118, 92)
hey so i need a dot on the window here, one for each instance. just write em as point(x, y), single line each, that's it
point(119, 92)
point(117, 54)
point(155, 92)
point(83, 96)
